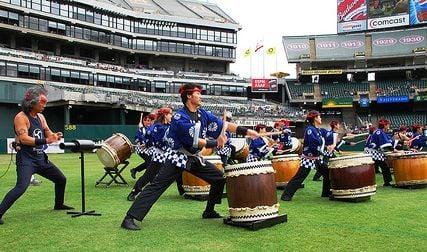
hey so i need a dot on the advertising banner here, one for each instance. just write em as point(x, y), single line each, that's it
point(417, 12)
point(321, 72)
point(339, 46)
point(420, 98)
point(54, 148)
point(393, 99)
point(364, 102)
point(351, 15)
point(398, 42)
point(264, 85)
point(296, 48)
point(387, 13)
point(343, 102)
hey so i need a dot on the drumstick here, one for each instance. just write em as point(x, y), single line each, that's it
point(224, 125)
point(353, 136)
point(224, 122)
point(361, 141)
point(269, 134)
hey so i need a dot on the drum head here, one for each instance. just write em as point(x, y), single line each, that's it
point(213, 159)
point(412, 155)
point(239, 143)
point(286, 157)
point(107, 156)
point(295, 144)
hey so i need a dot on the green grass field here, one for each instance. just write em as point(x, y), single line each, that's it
point(393, 220)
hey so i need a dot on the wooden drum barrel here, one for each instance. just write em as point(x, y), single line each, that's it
point(286, 166)
point(251, 191)
point(410, 169)
point(115, 150)
point(352, 177)
point(194, 186)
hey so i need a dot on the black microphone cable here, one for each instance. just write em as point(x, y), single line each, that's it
point(10, 162)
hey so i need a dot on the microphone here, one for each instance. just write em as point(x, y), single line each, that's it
point(79, 145)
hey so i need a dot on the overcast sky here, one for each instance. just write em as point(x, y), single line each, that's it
point(269, 20)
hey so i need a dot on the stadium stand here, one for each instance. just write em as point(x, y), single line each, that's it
point(297, 90)
point(342, 89)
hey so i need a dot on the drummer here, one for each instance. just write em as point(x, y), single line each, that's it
point(259, 148)
point(187, 135)
point(228, 152)
point(154, 138)
point(401, 135)
point(284, 139)
point(143, 152)
point(331, 143)
point(419, 139)
point(380, 142)
point(310, 159)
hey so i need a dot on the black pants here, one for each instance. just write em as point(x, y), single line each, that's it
point(384, 169)
point(153, 169)
point(229, 159)
point(302, 173)
point(144, 165)
point(24, 172)
point(167, 174)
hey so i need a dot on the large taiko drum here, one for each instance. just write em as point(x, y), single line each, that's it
point(352, 177)
point(410, 169)
point(115, 150)
point(242, 148)
point(251, 191)
point(194, 186)
point(286, 166)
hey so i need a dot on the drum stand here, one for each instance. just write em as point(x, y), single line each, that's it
point(83, 212)
point(115, 175)
point(259, 224)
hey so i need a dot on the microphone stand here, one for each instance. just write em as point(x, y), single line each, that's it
point(81, 146)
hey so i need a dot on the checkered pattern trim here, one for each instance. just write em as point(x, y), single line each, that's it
point(251, 158)
point(377, 155)
point(139, 150)
point(328, 154)
point(308, 163)
point(159, 156)
point(226, 151)
point(367, 150)
point(148, 151)
point(177, 158)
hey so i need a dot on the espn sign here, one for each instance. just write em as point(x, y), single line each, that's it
point(386, 22)
point(264, 85)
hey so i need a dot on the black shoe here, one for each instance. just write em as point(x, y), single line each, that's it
point(132, 196)
point(129, 224)
point(387, 184)
point(181, 191)
point(331, 197)
point(63, 207)
point(133, 173)
point(286, 197)
point(211, 215)
point(1, 221)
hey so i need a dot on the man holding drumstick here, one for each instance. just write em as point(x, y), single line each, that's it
point(188, 134)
